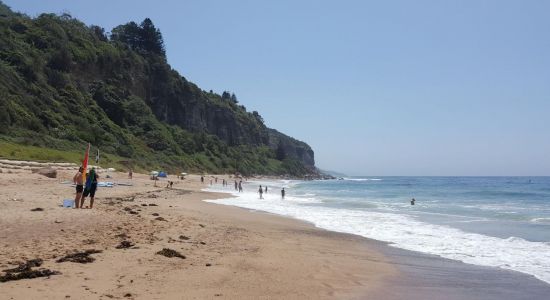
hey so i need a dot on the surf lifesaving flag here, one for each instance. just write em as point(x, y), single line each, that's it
point(85, 163)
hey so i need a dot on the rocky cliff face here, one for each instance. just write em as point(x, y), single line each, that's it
point(63, 83)
point(198, 111)
point(288, 147)
point(193, 109)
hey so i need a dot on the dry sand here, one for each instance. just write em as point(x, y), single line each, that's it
point(230, 253)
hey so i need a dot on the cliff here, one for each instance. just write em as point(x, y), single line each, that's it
point(63, 84)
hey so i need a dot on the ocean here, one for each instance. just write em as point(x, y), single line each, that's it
point(501, 222)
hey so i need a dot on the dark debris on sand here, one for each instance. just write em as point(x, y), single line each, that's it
point(152, 204)
point(170, 253)
point(155, 214)
point(26, 266)
point(37, 209)
point(183, 237)
point(28, 275)
point(160, 219)
point(24, 271)
point(125, 245)
point(80, 257)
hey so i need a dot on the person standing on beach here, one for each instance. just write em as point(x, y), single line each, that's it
point(77, 179)
point(202, 179)
point(236, 185)
point(261, 191)
point(240, 186)
point(266, 189)
point(130, 174)
point(283, 193)
point(91, 187)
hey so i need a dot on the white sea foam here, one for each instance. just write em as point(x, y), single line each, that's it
point(541, 220)
point(363, 179)
point(406, 232)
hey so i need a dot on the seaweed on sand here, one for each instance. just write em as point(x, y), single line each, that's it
point(170, 253)
point(29, 274)
point(80, 257)
point(26, 266)
point(125, 244)
point(24, 271)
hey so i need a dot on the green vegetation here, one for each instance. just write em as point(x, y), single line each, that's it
point(64, 84)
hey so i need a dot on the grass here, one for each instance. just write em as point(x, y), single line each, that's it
point(42, 154)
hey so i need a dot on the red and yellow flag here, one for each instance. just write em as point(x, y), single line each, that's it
point(85, 163)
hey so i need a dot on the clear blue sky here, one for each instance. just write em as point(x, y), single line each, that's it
point(375, 87)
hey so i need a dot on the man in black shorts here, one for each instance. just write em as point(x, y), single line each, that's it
point(77, 179)
point(91, 187)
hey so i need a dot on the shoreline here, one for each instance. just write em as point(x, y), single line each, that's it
point(418, 270)
point(252, 254)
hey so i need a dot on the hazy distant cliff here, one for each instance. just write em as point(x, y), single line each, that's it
point(63, 83)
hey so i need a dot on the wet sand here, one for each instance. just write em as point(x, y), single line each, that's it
point(231, 253)
point(423, 276)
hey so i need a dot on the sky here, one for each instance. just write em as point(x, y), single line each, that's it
point(374, 87)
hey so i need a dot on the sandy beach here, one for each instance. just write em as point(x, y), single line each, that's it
point(230, 253)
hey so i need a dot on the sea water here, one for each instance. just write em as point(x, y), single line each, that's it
point(490, 221)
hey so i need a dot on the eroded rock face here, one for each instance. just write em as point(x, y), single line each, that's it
point(191, 109)
point(48, 172)
point(291, 148)
point(194, 112)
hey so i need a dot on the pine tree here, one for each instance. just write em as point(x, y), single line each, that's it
point(151, 38)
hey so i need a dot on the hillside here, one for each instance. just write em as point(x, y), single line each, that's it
point(63, 84)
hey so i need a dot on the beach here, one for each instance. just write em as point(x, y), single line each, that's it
point(249, 255)
point(230, 252)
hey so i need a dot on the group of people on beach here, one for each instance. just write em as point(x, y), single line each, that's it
point(85, 189)
point(261, 191)
point(239, 186)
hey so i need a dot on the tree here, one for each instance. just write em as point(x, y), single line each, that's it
point(61, 60)
point(99, 33)
point(234, 99)
point(151, 38)
point(257, 116)
point(127, 34)
point(140, 37)
point(5, 120)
